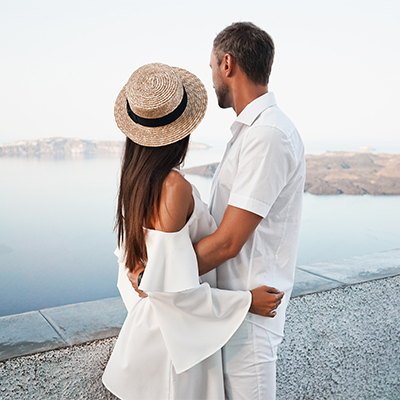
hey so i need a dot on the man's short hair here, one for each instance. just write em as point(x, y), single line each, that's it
point(251, 47)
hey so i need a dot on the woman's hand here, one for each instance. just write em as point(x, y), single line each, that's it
point(265, 300)
point(133, 278)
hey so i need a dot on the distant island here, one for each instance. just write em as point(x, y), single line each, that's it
point(66, 147)
point(342, 173)
point(60, 147)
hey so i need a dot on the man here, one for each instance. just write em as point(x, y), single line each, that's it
point(256, 199)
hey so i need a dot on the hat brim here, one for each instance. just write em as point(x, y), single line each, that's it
point(173, 132)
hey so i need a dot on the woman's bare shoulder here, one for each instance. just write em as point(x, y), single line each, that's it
point(176, 203)
point(175, 182)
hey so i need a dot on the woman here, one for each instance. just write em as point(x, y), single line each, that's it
point(169, 346)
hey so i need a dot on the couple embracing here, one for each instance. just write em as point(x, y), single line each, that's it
point(206, 287)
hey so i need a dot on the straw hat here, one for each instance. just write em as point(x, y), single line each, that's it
point(160, 105)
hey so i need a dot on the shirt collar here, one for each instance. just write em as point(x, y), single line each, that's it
point(253, 110)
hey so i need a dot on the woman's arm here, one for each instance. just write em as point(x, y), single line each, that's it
point(264, 300)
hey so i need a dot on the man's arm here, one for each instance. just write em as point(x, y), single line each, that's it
point(226, 242)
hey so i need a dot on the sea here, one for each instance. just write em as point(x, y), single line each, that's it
point(57, 218)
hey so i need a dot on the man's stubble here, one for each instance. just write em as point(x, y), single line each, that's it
point(223, 94)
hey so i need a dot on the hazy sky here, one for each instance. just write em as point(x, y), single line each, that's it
point(62, 63)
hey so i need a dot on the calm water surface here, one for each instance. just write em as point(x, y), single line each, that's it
point(57, 216)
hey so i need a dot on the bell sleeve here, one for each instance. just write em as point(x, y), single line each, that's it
point(198, 322)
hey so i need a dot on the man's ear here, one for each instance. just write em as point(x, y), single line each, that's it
point(229, 65)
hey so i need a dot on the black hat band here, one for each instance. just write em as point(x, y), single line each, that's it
point(162, 121)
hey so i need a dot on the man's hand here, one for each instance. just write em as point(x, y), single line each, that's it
point(133, 278)
point(265, 301)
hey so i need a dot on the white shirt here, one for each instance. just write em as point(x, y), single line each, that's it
point(262, 171)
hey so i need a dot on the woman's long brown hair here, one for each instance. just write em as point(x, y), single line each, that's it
point(143, 172)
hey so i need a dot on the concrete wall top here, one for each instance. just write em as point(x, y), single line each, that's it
point(65, 326)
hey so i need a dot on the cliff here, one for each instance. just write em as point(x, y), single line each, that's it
point(340, 172)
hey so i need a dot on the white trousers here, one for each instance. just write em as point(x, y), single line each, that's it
point(249, 360)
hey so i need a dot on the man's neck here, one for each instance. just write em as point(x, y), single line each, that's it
point(244, 92)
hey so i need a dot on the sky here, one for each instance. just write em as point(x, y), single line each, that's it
point(62, 63)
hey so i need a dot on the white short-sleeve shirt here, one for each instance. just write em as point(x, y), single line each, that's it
point(262, 171)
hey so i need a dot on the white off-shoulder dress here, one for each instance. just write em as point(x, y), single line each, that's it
point(170, 344)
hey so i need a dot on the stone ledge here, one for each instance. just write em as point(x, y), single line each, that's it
point(27, 333)
point(358, 269)
point(320, 276)
point(58, 327)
